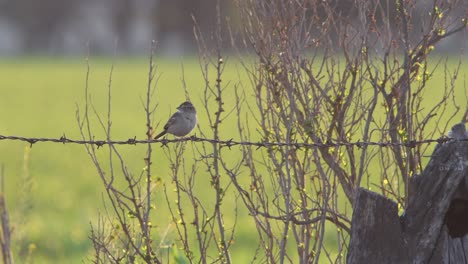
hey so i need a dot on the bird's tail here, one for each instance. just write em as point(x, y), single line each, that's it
point(160, 134)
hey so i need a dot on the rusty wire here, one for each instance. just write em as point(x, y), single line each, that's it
point(227, 143)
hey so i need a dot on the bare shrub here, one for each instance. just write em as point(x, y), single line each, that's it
point(325, 75)
point(324, 84)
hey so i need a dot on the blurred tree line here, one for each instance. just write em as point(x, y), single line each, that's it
point(65, 27)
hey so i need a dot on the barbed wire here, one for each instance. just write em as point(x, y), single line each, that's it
point(229, 143)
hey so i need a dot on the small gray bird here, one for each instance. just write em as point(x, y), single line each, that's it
point(181, 122)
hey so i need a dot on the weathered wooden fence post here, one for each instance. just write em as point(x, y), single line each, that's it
point(435, 225)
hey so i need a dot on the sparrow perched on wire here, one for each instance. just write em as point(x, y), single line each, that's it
point(181, 122)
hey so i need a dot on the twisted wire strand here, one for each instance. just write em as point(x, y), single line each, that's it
point(229, 143)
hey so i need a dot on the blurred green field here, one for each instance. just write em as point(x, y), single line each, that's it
point(39, 98)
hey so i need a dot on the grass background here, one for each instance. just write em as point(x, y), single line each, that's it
point(39, 98)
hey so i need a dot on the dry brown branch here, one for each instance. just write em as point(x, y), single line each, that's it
point(130, 205)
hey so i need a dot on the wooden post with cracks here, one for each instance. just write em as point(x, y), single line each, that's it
point(433, 229)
